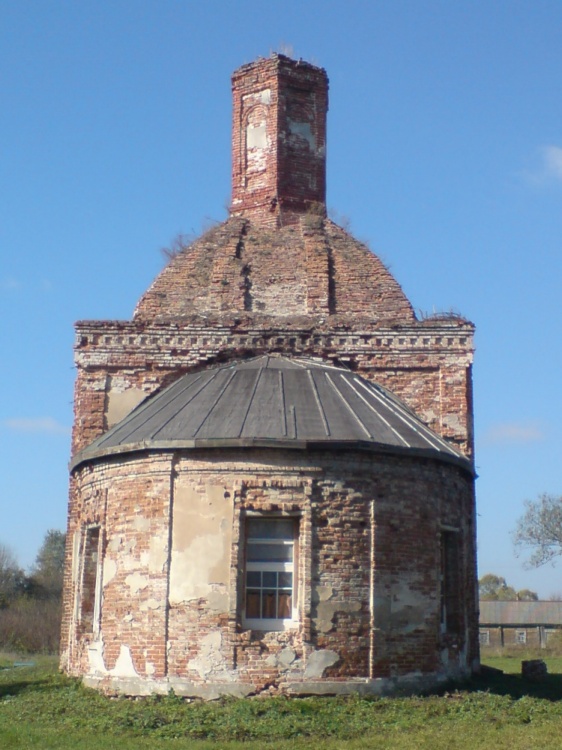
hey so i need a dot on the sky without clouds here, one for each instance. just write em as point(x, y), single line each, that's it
point(444, 152)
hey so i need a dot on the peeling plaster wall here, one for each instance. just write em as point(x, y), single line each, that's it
point(202, 538)
point(187, 631)
point(276, 276)
point(121, 400)
point(130, 502)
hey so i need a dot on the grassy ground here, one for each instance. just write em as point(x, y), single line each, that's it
point(42, 710)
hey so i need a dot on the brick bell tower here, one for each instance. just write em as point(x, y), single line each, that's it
point(279, 140)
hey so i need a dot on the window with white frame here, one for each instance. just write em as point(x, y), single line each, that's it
point(270, 586)
point(520, 636)
point(484, 637)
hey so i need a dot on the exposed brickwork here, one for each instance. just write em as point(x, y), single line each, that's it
point(278, 140)
point(308, 268)
point(426, 364)
point(346, 504)
point(277, 276)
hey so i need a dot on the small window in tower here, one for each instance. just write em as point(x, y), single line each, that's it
point(90, 594)
point(450, 582)
point(270, 586)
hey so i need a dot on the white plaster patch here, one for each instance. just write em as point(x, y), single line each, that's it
point(453, 422)
point(282, 660)
point(114, 544)
point(136, 582)
point(202, 534)
point(324, 593)
point(141, 523)
point(150, 668)
point(210, 659)
point(121, 400)
point(327, 607)
point(218, 599)
point(318, 662)
point(127, 559)
point(192, 568)
point(158, 553)
point(95, 658)
point(124, 666)
point(150, 604)
point(408, 608)
point(256, 136)
point(109, 570)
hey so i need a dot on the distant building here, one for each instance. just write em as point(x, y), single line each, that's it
point(529, 624)
point(272, 484)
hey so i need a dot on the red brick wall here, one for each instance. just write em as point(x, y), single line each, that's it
point(366, 522)
point(278, 139)
point(426, 364)
point(276, 277)
point(310, 268)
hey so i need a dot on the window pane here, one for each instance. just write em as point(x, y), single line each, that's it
point(269, 552)
point(269, 579)
point(273, 528)
point(284, 605)
point(268, 604)
point(285, 580)
point(253, 578)
point(269, 576)
point(252, 603)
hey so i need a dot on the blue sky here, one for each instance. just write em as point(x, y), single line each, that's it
point(444, 152)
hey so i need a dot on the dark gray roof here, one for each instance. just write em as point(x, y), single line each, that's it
point(520, 613)
point(272, 401)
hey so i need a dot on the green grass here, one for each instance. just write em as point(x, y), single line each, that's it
point(43, 710)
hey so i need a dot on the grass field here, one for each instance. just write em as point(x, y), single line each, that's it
point(42, 710)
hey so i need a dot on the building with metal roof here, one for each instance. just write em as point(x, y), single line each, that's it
point(273, 401)
point(272, 473)
point(524, 624)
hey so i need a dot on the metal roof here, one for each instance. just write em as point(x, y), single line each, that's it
point(520, 613)
point(273, 401)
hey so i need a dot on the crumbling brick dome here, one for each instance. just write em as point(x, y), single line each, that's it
point(310, 267)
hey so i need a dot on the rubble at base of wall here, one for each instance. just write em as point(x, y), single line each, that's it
point(414, 683)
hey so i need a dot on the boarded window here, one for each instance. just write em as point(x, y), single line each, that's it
point(270, 587)
point(450, 582)
point(90, 589)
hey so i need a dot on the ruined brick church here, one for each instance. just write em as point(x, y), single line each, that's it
point(272, 479)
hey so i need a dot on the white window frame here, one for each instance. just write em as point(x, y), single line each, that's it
point(520, 637)
point(267, 623)
point(484, 637)
point(549, 633)
point(96, 610)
